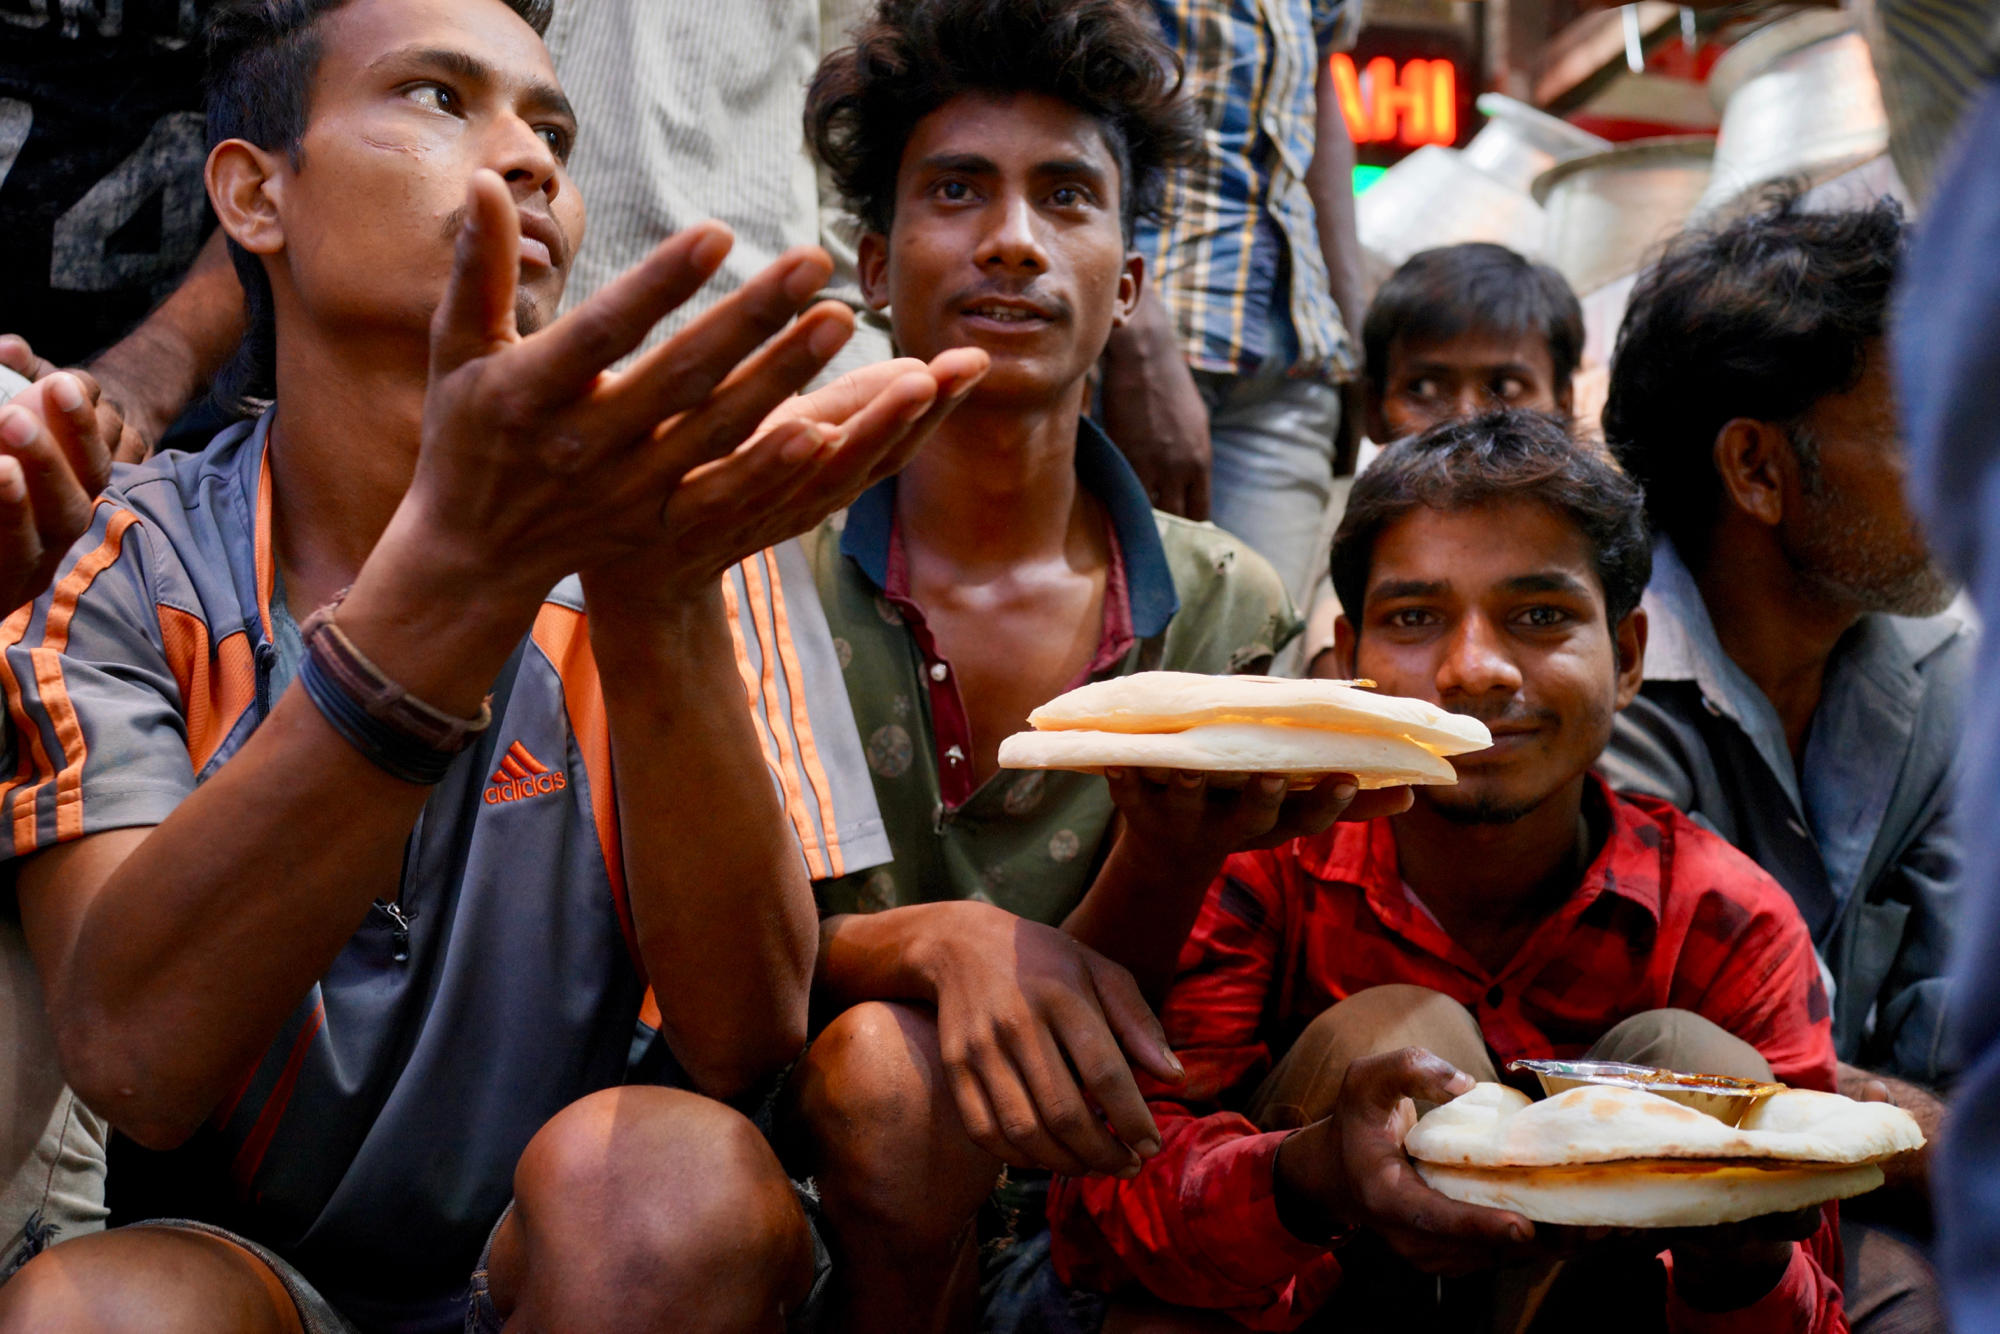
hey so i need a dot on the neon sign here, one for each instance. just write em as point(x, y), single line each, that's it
point(1409, 107)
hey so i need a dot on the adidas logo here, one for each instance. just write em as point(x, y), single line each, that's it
point(521, 776)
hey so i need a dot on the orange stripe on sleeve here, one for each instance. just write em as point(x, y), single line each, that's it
point(732, 611)
point(802, 728)
point(564, 637)
point(46, 658)
point(215, 689)
point(788, 770)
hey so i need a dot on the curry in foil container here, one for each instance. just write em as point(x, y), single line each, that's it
point(1723, 1097)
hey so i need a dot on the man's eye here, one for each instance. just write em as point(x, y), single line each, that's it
point(1408, 618)
point(436, 97)
point(557, 139)
point(1510, 389)
point(1068, 196)
point(1543, 618)
point(953, 190)
point(1427, 387)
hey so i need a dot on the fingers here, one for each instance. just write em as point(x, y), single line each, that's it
point(749, 483)
point(1382, 1082)
point(748, 396)
point(21, 553)
point(836, 402)
point(17, 356)
point(75, 424)
point(477, 312)
point(885, 442)
point(686, 369)
point(1000, 1112)
point(60, 506)
point(1063, 1116)
point(1375, 804)
point(1133, 1022)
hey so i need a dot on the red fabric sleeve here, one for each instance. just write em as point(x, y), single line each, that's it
point(1199, 1225)
point(1807, 1299)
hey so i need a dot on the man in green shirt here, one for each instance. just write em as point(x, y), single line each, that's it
point(997, 156)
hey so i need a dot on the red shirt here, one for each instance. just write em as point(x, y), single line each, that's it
point(1668, 915)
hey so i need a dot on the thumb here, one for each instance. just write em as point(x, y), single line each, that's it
point(477, 312)
point(1133, 1022)
point(1411, 1073)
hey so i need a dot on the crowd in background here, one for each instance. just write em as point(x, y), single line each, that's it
point(505, 680)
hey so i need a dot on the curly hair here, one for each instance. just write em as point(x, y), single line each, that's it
point(1759, 319)
point(262, 57)
point(1101, 56)
point(1507, 455)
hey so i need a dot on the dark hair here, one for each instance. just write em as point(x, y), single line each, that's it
point(1442, 293)
point(1507, 455)
point(1759, 319)
point(262, 58)
point(1101, 56)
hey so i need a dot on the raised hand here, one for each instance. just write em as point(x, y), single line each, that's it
point(107, 427)
point(53, 461)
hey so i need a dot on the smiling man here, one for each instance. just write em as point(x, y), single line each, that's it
point(371, 767)
point(1495, 568)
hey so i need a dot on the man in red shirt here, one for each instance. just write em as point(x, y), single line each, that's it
point(1526, 912)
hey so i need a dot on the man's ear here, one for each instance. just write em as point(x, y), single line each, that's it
point(1131, 286)
point(1751, 459)
point(1346, 644)
point(871, 269)
point(1630, 640)
point(246, 186)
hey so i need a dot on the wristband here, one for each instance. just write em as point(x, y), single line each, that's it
point(396, 731)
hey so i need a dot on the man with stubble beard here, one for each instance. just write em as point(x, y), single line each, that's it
point(1804, 683)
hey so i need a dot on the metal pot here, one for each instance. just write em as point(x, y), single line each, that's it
point(1605, 212)
point(1434, 197)
point(1519, 143)
point(1799, 100)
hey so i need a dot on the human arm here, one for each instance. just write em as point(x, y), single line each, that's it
point(1152, 410)
point(1172, 840)
point(1330, 183)
point(1228, 1217)
point(155, 371)
point(54, 462)
point(171, 955)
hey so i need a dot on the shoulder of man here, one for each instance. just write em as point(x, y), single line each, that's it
point(1234, 611)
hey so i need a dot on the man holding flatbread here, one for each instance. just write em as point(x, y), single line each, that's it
point(997, 153)
point(1493, 567)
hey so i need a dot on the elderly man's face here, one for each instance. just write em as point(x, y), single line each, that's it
point(1848, 527)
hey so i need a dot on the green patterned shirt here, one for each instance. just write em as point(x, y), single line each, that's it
point(1180, 595)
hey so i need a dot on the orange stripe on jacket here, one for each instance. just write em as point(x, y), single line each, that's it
point(529, 764)
point(802, 728)
point(46, 657)
point(564, 637)
point(788, 770)
point(732, 612)
point(251, 1155)
point(56, 702)
point(215, 689)
point(32, 754)
point(260, 548)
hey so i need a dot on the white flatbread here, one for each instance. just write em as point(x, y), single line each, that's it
point(1496, 1126)
point(1303, 754)
point(1158, 702)
point(1656, 1193)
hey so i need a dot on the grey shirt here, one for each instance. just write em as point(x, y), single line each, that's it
point(1859, 832)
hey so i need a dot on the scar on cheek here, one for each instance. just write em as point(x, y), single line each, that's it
point(388, 146)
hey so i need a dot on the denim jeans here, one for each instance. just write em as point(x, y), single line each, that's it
point(1273, 474)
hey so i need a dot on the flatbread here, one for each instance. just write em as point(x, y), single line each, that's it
point(1601, 1156)
point(1162, 702)
point(1496, 1126)
point(1303, 754)
point(1656, 1193)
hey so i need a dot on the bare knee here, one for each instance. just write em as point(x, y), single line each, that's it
point(1680, 1040)
point(147, 1281)
point(885, 1137)
point(639, 1197)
